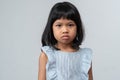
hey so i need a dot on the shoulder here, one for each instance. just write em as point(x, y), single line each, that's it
point(46, 49)
point(86, 50)
point(49, 52)
point(86, 53)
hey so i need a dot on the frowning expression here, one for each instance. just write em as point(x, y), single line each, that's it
point(64, 30)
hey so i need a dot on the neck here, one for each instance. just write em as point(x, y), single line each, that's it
point(65, 47)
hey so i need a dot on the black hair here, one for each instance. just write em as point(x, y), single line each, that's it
point(63, 10)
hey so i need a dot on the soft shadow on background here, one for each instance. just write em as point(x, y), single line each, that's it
point(22, 23)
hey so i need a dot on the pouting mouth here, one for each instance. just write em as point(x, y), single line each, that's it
point(65, 37)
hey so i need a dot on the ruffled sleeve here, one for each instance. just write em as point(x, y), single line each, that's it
point(49, 52)
point(51, 64)
point(86, 61)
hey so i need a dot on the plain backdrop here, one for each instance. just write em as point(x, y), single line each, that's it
point(22, 23)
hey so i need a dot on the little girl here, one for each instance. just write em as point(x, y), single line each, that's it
point(61, 56)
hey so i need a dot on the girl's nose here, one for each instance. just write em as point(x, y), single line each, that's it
point(65, 30)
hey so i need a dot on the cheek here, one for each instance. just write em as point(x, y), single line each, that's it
point(55, 33)
point(74, 32)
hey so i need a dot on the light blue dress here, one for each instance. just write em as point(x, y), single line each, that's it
point(67, 65)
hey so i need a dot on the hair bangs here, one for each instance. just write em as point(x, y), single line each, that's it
point(64, 12)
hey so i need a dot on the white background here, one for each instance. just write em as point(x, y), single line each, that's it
point(22, 23)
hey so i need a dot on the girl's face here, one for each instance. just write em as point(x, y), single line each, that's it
point(64, 31)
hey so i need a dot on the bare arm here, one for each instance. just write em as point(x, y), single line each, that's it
point(42, 66)
point(90, 73)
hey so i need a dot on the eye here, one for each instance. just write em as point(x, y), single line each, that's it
point(58, 25)
point(71, 25)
